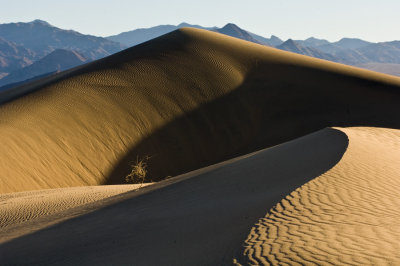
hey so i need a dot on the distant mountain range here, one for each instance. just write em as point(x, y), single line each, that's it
point(41, 38)
point(22, 44)
point(350, 51)
point(138, 36)
point(295, 47)
point(13, 56)
point(56, 61)
point(36, 49)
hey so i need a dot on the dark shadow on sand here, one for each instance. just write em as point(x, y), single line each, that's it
point(205, 219)
point(262, 114)
point(202, 220)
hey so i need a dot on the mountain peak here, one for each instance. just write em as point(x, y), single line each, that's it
point(231, 26)
point(313, 42)
point(184, 24)
point(39, 22)
point(290, 45)
point(348, 39)
point(51, 38)
point(274, 37)
point(234, 31)
point(64, 53)
point(290, 41)
point(352, 43)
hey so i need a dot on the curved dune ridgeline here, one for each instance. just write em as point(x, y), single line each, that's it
point(347, 216)
point(298, 192)
point(188, 99)
point(199, 218)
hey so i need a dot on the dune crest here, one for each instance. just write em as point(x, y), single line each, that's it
point(349, 215)
point(199, 218)
point(188, 99)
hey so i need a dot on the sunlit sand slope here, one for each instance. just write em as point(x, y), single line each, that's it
point(200, 218)
point(348, 216)
point(24, 206)
point(188, 99)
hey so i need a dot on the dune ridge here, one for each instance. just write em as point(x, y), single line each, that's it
point(191, 99)
point(198, 218)
point(182, 99)
point(349, 215)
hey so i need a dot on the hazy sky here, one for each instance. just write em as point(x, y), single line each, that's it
point(373, 20)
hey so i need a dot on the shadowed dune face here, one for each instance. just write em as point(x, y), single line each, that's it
point(188, 99)
point(347, 216)
point(202, 218)
point(268, 108)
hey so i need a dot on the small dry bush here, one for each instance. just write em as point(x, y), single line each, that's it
point(138, 172)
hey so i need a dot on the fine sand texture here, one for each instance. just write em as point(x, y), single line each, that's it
point(24, 206)
point(314, 177)
point(332, 198)
point(200, 218)
point(348, 216)
point(188, 99)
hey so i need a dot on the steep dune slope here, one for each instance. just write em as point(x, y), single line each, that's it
point(188, 99)
point(199, 218)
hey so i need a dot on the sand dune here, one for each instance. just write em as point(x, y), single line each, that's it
point(20, 207)
point(192, 99)
point(344, 211)
point(188, 99)
point(347, 216)
point(199, 218)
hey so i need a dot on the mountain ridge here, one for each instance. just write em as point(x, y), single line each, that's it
point(137, 36)
point(56, 61)
point(14, 55)
point(42, 38)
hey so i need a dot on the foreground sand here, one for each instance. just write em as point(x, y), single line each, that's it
point(24, 206)
point(348, 216)
point(200, 218)
point(338, 204)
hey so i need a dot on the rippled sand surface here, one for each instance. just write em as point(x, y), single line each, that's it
point(349, 215)
point(24, 206)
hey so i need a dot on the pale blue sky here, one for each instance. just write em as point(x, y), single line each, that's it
point(372, 20)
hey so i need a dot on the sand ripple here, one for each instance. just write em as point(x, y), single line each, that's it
point(24, 206)
point(348, 215)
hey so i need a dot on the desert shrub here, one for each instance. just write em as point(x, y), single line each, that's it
point(138, 171)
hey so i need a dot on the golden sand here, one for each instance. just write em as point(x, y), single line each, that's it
point(188, 99)
point(347, 216)
point(20, 207)
point(192, 99)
